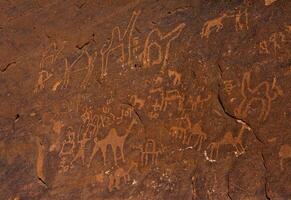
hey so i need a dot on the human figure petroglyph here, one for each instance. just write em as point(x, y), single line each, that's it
point(113, 140)
point(90, 68)
point(284, 153)
point(136, 101)
point(176, 77)
point(162, 43)
point(68, 70)
point(81, 151)
point(119, 42)
point(43, 77)
point(262, 93)
point(69, 143)
point(214, 24)
point(239, 23)
point(67, 149)
point(149, 152)
point(229, 139)
point(119, 174)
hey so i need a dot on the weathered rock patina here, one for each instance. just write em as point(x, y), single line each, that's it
point(136, 99)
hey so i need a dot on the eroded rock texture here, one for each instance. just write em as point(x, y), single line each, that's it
point(145, 99)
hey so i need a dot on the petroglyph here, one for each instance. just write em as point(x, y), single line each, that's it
point(215, 24)
point(241, 20)
point(228, 86)
point(262, 93)
point(196, 130)
point(69, 71)
point(176, 77)
point(119, 42)
point(57, 128)
point(67, 149)
point(240, 17)
point(90, 68)
point(172, 96)
point(269, 2)
point(50, 55)
point(43, 77)
point(273, 44)
point(229, 139)
point(199, 102)
point(137, 102)
point(120, 173)
point(81, 151)
point(284, 153)
point(149, 152)
point(113, 140)
point(157, 41)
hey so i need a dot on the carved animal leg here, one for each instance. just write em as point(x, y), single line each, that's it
point(281, 164)
point(111, 183)
point(95, 149)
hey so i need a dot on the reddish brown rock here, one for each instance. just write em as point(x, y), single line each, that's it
point(145, 100)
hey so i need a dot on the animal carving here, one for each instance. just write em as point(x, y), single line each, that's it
point(120, 173)
point(214, 24)
point(176, 75)
point(162, 43)
point(119, 42)
point(113, 140)
point(196, 130)
point(284, 153)
point(178, 132)
point(262, 93)
point(173, 95)
point(149, 152)
point(229, 139)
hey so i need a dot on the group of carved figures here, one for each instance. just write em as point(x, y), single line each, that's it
point(112, 139)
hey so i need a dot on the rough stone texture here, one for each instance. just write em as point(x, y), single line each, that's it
point(145, 99)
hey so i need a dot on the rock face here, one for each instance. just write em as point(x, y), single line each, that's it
point(136, 99)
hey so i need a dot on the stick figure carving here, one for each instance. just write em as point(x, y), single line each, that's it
point(262, 93)
point(113, 140)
